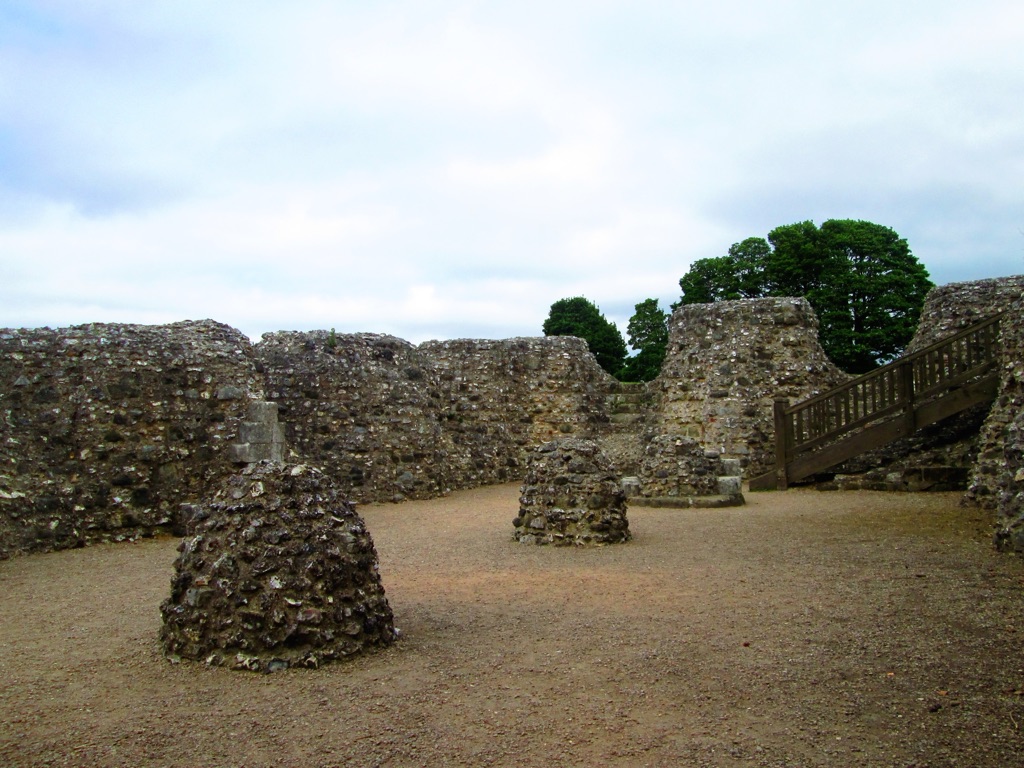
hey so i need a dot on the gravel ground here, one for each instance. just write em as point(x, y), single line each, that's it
point(805, 629)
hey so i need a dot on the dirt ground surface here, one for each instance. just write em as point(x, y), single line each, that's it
point(804, 629)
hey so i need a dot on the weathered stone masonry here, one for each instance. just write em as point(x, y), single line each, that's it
point(726, 364)
point(107, 430)
point(110, 431)
point(391, 421)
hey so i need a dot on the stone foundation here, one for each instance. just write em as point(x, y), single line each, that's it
point(571, 496)
point(278, 571)
point(677, 466)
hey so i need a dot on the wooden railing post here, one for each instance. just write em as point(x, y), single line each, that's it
point(782, 441)
point(907, 394)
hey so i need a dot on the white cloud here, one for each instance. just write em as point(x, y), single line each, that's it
point(452, 168)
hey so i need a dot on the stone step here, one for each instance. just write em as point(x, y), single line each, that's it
point(913, 479)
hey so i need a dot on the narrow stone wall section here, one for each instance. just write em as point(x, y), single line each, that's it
point(726, 364)
point(500, 399)
point(364, 407)
point(998, 479)
point(951, 308)
point(279, 571)
point(571, 496)
point(1009, 535)
point(105, 429)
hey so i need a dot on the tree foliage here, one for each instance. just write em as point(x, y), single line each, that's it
point(865, 285)
point(580, 317)
point(648, 335)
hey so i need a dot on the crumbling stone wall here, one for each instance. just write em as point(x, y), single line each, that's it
point(571, 495)
point(108, 429)
point(674, 465)
point(726, 364)
point(364, 407)
point(501, 399)
point(952, 307)
point(105, 429)
point(998, 479)
point(393, 421)
point(278, 571)
point(1009, 535)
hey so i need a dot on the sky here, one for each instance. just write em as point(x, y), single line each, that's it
point(440, 170)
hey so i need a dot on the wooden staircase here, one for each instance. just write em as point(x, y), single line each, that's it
point(885, 405)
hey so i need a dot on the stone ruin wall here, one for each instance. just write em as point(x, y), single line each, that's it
point(361, 406)
point(1000, 468)
point(726, 364)
point(501, 399)
point(391, 421)
point(105, 429)
point(953, 307)
point(111, 431)
point(950, 308)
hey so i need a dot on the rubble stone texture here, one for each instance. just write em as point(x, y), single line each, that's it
point(726, 364)
point(111, 431)
point(278, 571)
point(392, 421)
point(674, 465)
point(952, 307)
point(571, 496)
point(106, 429)
point(1000, 466)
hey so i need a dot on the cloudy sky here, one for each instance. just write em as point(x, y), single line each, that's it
point(443, 169)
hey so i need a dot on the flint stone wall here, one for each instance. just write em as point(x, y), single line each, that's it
point(999, 471)
point(726, 364)
point(106, 429)
point(952, 307)
point(571, 496)
point(111, 431)
point(363, 407)
point(393, 421)
point(278, 571)
point(674, 465)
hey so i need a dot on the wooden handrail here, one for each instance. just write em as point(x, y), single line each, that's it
point(897, 388)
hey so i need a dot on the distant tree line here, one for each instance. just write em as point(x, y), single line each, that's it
point(865, 285)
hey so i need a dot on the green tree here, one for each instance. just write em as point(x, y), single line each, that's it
point(580, 317)
point(648, 335)
point(865, 285)
point(739, 275)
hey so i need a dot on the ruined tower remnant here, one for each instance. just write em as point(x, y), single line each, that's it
point(571, 495)
point(278, 571)
point(727, 362)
